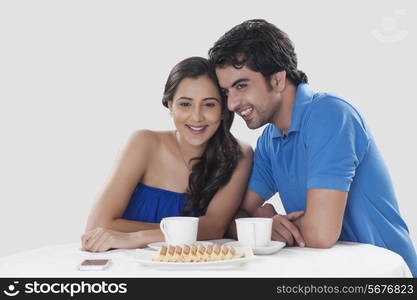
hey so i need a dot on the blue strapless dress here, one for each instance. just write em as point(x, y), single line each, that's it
point(149, 204)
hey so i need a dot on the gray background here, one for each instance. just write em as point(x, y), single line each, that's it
point(77, 77)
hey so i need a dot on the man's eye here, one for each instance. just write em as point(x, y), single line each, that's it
point(240, 86)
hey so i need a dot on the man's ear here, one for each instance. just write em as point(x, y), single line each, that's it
point(278, 81)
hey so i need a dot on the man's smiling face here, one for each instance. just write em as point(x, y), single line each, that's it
point(249, 95)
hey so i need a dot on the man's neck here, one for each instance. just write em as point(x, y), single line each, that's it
point(283, 119)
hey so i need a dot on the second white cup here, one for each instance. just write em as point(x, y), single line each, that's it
point(254, 232)
point(179, 230)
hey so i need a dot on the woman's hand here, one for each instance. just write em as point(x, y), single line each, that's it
point(102, 239)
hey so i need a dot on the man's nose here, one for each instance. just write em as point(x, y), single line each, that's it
point(232, 102)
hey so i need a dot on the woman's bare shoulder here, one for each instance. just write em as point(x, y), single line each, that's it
point(146, 135)
point(150, 139)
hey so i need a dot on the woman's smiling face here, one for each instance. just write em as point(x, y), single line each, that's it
point(196, 109)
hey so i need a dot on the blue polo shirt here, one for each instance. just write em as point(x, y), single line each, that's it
point(329, 146)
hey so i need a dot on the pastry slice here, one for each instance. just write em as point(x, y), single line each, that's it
point(201, 252)
point(227, 252)
point(215, 255)
point(186, 253)
point(209, 252)
point(194, 254)
point(178, 254)
point(162, 254)
point(171, 254)
point(234, 255)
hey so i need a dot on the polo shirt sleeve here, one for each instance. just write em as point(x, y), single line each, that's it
point(261, 177)
point(336, 141)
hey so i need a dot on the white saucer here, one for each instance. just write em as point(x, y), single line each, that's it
point(274, 246)
point(156, 246)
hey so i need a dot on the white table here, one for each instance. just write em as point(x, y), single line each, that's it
point(345, 259)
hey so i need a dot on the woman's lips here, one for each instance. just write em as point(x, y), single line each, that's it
point(197, 129)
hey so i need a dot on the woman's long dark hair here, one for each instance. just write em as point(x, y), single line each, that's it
point(220, 158)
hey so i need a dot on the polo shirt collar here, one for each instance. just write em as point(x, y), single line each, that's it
point(303, 97)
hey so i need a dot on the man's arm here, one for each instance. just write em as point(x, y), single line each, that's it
point(322, 221)
point(333, 158)
point(319, 226)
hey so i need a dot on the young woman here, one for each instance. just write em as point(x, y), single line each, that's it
point(198, 169)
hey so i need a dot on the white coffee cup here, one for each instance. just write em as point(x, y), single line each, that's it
point(179, 230)
point(254, 232)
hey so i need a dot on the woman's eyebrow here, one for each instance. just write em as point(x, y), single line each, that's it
point(184, 98)
point(211, 98)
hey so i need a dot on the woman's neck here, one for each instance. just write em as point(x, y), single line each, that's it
point(187, 150)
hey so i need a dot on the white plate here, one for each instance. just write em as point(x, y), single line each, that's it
point(156, 246)
point(144, 257)
point(274, 246)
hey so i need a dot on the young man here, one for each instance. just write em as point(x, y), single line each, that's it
point(317, 151)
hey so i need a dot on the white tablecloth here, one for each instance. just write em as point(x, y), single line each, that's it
point(342, 260)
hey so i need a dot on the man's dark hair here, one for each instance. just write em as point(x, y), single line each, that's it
point(259, 45)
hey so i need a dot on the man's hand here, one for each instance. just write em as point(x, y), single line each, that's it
point(284, 230)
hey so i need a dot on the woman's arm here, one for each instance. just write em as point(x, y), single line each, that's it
point(227, 200)
point(128, 171)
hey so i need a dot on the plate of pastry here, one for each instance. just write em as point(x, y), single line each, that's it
point(195, 256)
